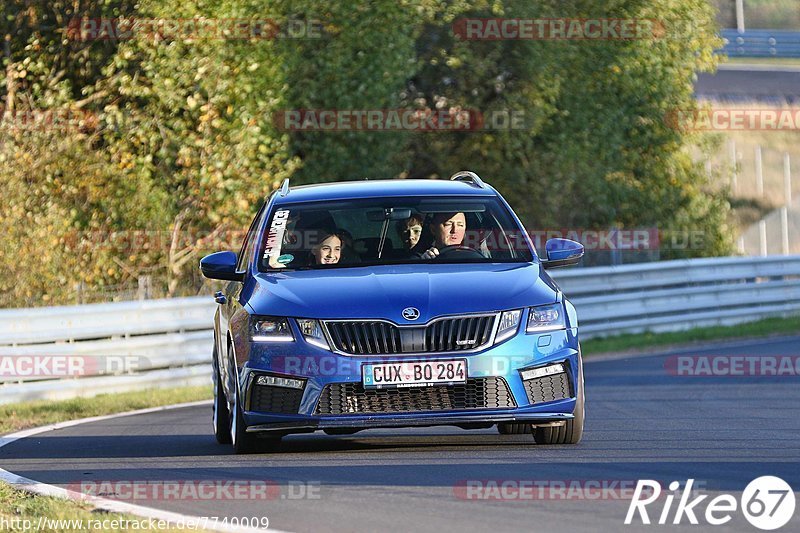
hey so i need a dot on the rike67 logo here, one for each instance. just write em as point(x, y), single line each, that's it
point(767, 503)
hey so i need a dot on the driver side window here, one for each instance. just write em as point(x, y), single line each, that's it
point(246, 253)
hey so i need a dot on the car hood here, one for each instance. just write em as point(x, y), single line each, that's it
point(384, 291)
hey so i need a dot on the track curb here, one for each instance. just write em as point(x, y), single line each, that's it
point(44, 489)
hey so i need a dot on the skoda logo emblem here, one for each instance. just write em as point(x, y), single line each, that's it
point(411, 313)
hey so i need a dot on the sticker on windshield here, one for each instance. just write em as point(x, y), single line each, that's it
point(275, 234)
point(285, 258)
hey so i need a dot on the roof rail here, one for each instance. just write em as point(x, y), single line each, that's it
point(468, 177)
point(284, 187)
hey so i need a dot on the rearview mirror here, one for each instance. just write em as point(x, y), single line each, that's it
point(395, 213)
point(220, 265)
point(562, 252)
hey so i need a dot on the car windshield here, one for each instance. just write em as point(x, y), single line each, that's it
point(368, 232)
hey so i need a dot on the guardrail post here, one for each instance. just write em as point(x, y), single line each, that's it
point(762, 237)
point(787, 178)
point(145, 288)
point(759, 173)
point(785, 230)
point(740, 15)
point(734, 180)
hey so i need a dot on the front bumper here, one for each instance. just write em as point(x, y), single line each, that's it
point(318, 368)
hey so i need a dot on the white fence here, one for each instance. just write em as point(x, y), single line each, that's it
point(165, 343)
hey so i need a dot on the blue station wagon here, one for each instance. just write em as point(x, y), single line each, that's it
point(393, 303)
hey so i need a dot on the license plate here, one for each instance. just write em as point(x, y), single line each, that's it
point(414, 374)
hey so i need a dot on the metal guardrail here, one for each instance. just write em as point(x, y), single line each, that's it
point(170, 340)
point(761, 43)
point(64, 389)
point(98, 321)
point(679, 295)
point(99, 340)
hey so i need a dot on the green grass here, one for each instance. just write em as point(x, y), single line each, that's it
point(774, 144)
point(17, 506)
point(14, 417)
point(748, 206)
point(766, 61)
point(21, 511)
point(643, 341)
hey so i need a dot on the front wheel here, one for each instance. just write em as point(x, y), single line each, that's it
point(222, 415)
point(572, 431)
point(513, 428)
point(243, 442)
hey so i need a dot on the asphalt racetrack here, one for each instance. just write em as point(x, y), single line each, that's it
point(643, 421)
point(768, 85)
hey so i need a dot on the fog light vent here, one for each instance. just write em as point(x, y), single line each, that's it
point(546, 383)
point(542, 371)
point(275, 381)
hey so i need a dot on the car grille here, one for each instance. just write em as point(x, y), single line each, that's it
point(548, 388)
point(280, 400)
point(476, 393)
point(455, 334)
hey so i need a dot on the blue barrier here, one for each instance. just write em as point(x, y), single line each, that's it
point(761, 43)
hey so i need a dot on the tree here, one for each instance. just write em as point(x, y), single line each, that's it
point(361, 61)
point(597, 149)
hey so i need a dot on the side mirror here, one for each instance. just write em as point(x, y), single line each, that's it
point(562, 252)
point(220, 265)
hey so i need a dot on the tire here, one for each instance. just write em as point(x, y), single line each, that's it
point(221, 418)
point(572, 431)
point(513, 428)
point(244, 442)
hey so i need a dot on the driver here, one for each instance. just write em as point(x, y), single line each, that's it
point(448, 229)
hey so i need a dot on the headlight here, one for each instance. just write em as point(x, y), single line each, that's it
point(546, 318)
point(312, 333)
point(509, 322)
point(270, 329)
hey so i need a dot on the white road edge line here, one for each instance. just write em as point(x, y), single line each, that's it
point(43, 489)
